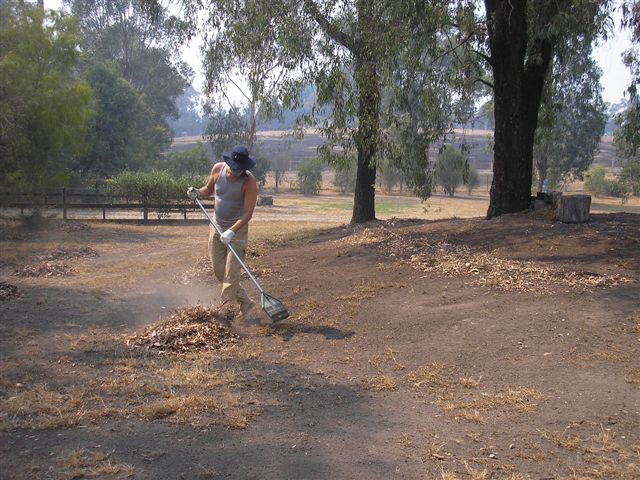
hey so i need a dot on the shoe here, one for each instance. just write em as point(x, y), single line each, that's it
point(247, 308)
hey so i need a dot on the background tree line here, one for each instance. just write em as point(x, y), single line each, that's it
point(98, 91)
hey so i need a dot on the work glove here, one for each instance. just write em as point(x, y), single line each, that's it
point(193, 193)
point(227, 236)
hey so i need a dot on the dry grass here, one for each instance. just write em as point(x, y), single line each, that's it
point(521, 400)
point(307, 309)
point(633, 376)
point(196, 409)
point(86, 463)
point(470, 382)
point(41, 407)
point(434, 450)
point(380, 383)
point(476, 474)
point(430, 375)
point(564, 440)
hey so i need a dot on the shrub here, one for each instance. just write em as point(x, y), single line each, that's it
point(389, 177)
point(260, 171)
point(155, 186)
point(345, 176)
point(473, 179)
point(192, 162)
point(597, 183)
point(310, 177)
point(630, 175)
point(450, 169)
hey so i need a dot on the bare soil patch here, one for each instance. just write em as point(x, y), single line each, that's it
point(451, 349)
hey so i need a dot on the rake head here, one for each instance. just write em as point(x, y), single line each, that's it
point(273, 308)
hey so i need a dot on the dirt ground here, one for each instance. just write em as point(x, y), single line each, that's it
point(416, 349)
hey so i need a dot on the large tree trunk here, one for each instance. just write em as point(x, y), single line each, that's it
point(366, 137)
point(517, 89)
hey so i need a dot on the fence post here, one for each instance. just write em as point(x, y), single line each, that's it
point(146, 213)
point(185, 213)
point(64, 203)
point(104, 213)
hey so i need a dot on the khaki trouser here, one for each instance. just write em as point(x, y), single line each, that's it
point(225, 266)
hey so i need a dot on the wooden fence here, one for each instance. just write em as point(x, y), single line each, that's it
point(77, 199)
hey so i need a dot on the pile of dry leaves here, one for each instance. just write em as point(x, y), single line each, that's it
point(187, 330)
point(8, 291)
point(489, 268)
point(50, 269)
point(61, 253)
point(51, 264)
point(505, 274)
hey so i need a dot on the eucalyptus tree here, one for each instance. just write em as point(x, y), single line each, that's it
point(392, 72)
point(356, 53)
point(44, 109)
point(254, 47)
point(519, 46)
point(143, 46)
point(627, 136)
point(572, 115)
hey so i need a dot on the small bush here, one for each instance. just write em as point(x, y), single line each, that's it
point(473, 179)
point(260, 171)
point(450, 169)
point(190, 163)
point(630, 175)
point(597, 183)
point(155, 186)
point(345, 176)
point(310, 177)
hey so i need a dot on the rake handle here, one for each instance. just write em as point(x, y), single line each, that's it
point(246, 269)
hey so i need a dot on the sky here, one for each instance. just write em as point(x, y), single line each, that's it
point(615, 76)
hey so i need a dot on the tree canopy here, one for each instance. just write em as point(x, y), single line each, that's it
point(572, 116)
point(44, 110)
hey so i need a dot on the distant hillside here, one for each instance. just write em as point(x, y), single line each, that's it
point(280, 144)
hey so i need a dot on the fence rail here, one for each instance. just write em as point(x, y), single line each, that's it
point(61, 200)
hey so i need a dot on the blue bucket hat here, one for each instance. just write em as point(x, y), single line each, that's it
point(239, 159)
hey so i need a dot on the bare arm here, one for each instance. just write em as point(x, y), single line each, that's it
point(250, 190)
point(208, 190)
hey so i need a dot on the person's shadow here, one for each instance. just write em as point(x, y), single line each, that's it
point(287, 331)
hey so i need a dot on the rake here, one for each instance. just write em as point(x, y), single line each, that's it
point(273, 307)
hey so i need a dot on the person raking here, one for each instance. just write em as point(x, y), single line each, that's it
point(235, 192)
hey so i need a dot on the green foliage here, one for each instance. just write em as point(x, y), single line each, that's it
point(450, 169)
point(597, 183)
point(226, 129)
point(44, 111)
point(626, 139)
point(191, 163)
point(310, 177)
point(345, 175)
point(152, 187)
point(630, 176)
point(389, 177)
point(260, 171)
point(122, 135)
point(259, 43)
point(572, 116)
point(142, 45)
point(473, 179)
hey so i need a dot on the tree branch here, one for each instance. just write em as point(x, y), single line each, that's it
point(487, 58)
point(486, 82)
point(237, 86)
point(329, 28)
